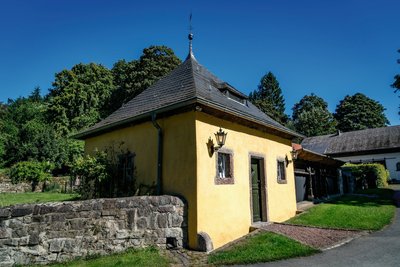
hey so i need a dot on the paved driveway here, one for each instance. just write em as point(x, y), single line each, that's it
point(377, 249)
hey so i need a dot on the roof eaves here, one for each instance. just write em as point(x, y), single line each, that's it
point(105, 128)
point(247, 117)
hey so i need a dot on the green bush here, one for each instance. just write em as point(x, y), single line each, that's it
point(371, 174)
point(91, 172)
point(32, 171)
point(108, 174)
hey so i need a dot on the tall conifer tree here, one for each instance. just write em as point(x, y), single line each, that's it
point(269, 99)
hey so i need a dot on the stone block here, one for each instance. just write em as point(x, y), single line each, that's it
point(173, 232)
point(56, 245)
point(5, 213)
point(166, 209)
point(23, 241)
point(57, 226)
point(141, 223)
point(131, 215)
point(33, 239)
point(109, 204)
point(20, 232)
point(108, 213)
point(20, 211)
point(122, 234)
point(71, 245)
point(144, 211)
point(5, 232)
point(46, 209)
point(13, 242)
point(121, 204)
point(57, 217)
point(136, 242)
point(64, 208)
point(165, 200)
point(97, 205)
point(27, 219)
point(37, 218)
point(52, 257)
point(176, 220)
point(162, 220)
point(204, 242)
point(76, 224)
point(86, 206)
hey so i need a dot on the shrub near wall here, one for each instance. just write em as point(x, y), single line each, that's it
point(56, 232)
point(374, 173)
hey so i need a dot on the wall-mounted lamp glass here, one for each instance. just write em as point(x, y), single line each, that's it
point(294, 154)
point(294, 157)
point(221, 138)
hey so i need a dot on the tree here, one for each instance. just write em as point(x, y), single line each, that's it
point(78, 97)
point(311, 116)
point(359, 112)
point(25, 133)
point(131, 78)
point(269, 99)
point(396, 83)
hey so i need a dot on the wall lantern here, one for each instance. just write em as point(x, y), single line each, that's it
point(221, 138)
point(294, 154)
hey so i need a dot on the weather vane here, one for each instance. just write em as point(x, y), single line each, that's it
point(190, 36)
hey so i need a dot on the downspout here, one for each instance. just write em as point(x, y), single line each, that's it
point(159, 154)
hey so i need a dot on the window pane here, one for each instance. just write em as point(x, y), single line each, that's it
point(281, 170)
point(224, 168)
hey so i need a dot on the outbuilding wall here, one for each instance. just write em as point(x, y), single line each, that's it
point(224, 210)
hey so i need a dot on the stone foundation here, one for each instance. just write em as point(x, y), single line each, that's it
point(56, 232)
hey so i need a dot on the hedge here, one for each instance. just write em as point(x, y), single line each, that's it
point(374, 173)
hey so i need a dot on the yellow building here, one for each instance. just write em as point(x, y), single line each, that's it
point(171, 129)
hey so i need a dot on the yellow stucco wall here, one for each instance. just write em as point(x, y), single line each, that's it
point(224, 211)
point(179, 169)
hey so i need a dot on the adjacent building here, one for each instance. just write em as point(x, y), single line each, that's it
point(381, 145)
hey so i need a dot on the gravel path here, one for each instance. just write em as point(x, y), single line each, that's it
point(320, 238)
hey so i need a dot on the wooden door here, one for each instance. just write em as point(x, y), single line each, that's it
point(256, 189)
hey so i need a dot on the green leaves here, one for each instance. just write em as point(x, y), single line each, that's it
point(131, 78)
point(311, 116)
point(269, 99)
point(396, 83)
point(359, 112)
point(78, 97)
point(32, 171)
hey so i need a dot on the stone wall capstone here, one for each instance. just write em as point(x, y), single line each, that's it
point(56, 232)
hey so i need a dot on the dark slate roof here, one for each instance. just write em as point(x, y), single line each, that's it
point(190, 82)
point(369, 140)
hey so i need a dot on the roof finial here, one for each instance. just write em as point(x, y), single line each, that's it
point(190, 36)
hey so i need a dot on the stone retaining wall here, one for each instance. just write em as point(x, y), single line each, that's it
point(56, 232)
point(6, 186)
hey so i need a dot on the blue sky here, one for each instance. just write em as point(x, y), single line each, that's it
point(330, 48)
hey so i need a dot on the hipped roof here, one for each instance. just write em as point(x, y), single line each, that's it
point(190, 83)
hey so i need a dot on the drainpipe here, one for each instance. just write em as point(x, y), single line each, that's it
point(159, 154)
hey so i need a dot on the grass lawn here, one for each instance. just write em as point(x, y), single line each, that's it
point(352, 212)
point(262, 247)
point(143, 257)
point(7, 199)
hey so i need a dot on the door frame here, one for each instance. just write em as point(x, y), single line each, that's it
point(263, 188)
